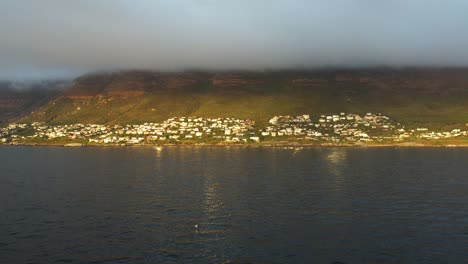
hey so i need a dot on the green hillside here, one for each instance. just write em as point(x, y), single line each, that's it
point(431, 99)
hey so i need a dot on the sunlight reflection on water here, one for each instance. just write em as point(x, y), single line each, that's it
point(233, 205)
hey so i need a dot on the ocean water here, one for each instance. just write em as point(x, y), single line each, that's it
point(233, 205)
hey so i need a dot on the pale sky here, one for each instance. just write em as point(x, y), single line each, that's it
point(54, 38)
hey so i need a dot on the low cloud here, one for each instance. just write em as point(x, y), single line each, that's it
point(54, 38)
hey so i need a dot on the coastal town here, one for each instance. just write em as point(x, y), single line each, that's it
point(338, 129)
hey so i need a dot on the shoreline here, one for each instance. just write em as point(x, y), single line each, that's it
point(270, 145)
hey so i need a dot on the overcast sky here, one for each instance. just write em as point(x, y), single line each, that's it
point(51, 38)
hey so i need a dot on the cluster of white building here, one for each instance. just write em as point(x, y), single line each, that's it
point(442, 135)
point(333, 128)
point(180, 129)
point(171, 130)
point(348, 128)
point(73, 131)
point(11, 131)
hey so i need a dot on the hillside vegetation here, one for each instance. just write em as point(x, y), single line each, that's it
point(17, 99)
point(431, 97)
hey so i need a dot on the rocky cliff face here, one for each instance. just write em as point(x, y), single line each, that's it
point(139, 83)
point(129, 84)
point(237, 80)
point(89, 86)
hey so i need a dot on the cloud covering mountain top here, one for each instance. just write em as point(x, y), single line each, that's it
point(55, 38)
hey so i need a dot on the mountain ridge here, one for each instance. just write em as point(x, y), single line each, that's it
point(438, 97)
point(20, 98)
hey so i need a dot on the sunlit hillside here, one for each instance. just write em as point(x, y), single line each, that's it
point(433, 97)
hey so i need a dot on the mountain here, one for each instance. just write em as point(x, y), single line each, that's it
point(20, 98)
point(414, 96)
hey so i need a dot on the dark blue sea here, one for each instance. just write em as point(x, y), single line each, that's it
point(233, 205)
